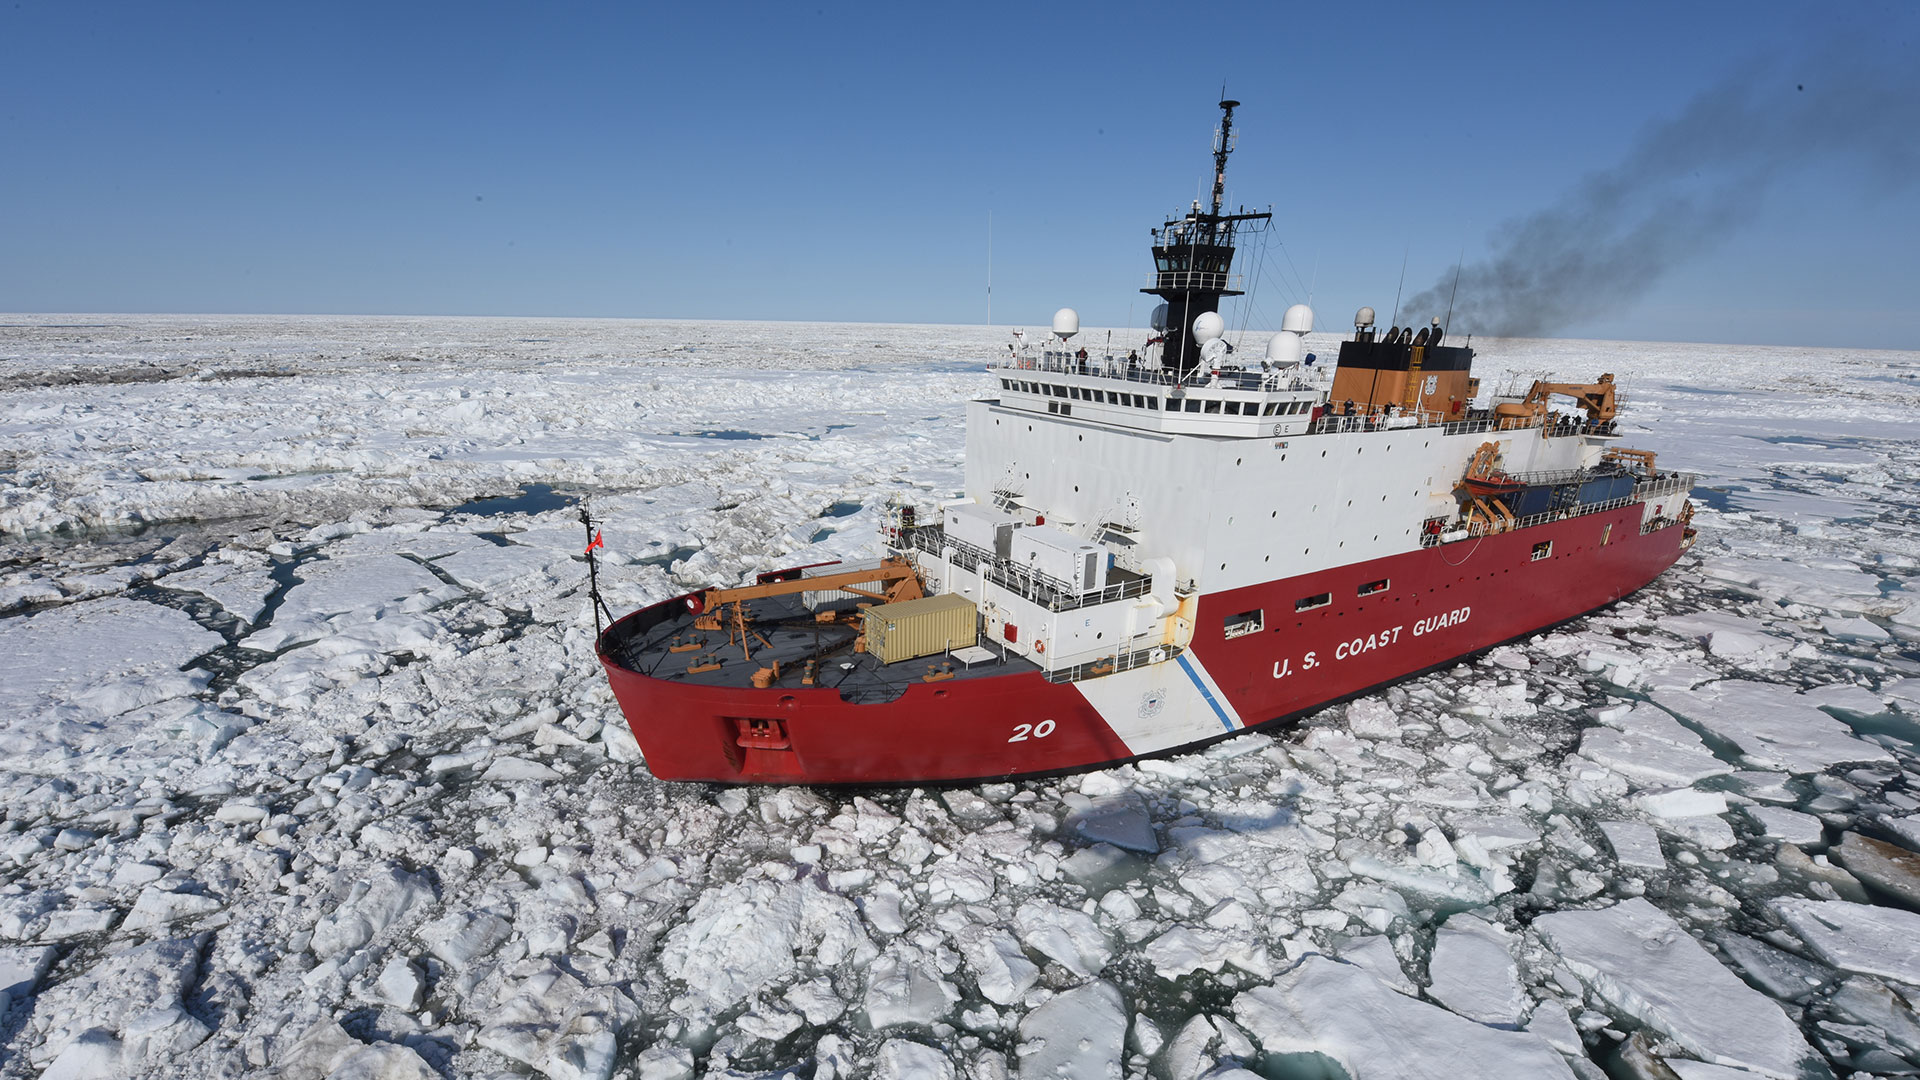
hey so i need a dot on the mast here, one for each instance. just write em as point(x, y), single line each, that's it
point(1193, 258)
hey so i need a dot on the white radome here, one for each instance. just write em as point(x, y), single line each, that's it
point(1066, 323)
point(1284, 348)
point(1298, 319)
point(1158, 320)
point(1209, 325)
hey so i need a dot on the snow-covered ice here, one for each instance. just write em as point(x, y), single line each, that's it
point(309, 769)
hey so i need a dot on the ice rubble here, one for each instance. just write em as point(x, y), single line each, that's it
point(328, 784)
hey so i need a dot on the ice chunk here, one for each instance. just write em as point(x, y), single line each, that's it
point(1681, 802)
point(1374, 954)
point(1856, 937)
point(744, 935)
point(904, 990)
point(1635, 845)
point(999, 966)
point(1775, 972)
point(1779, 823)
point(1774, 726)
point(378, 901)
point(1183, 950)
point(1120, 821)
point(1638, 960)
point(1326, 1007)
point(157, 907)
point(124, 1013)
point(1077, 1035)
point(21, 969)
point(554, 1023)
point(459, 938)
point(1372, 718)
point(1473, 973)
point(900, 1059)
point(1892, 869)
point(1650, 750)
point(1070, 937)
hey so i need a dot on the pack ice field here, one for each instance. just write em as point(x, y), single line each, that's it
point(310, 770)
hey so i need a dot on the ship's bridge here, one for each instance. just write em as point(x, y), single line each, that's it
point(1234, 402)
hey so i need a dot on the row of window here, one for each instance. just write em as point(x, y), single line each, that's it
point(1320, 600)
point(1212, 406)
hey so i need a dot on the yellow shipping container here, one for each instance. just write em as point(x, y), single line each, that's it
point(921, 627)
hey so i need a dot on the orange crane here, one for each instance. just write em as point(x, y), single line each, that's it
point(727, 608)
point(1597, 398)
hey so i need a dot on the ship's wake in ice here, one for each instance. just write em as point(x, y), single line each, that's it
point(309, 770)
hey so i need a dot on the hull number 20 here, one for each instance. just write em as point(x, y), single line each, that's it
point(1039, 731)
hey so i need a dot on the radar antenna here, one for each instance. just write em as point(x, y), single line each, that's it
point(1222, 146)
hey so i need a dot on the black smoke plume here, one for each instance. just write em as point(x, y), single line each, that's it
point(1687, 184)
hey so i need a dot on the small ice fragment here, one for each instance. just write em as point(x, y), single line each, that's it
point(1634, 844)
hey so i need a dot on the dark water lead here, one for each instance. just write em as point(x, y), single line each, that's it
point(843, 509)
point(532, 499)
point(728, 433)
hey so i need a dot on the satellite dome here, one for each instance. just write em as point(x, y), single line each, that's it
point(1298, 319)
point(1158, 320)
point(1284, 348)
point(1363, 318)
point(1066, 323)
point(1207, 326)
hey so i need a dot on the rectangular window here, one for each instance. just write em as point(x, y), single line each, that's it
point(1213, 407)
point(1074, 392)
point(1193, 404)
point(1542, 550)
point(1317, 600)
point(1233, 408)
point(1053, 406)
point(1247, 622)
point(1153, 403)
point(1006, 384)
point(1372, 587)
point(1066, 409)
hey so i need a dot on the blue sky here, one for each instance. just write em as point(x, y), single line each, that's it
point(827, 162)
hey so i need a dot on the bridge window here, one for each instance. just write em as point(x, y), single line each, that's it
point(1213, 407)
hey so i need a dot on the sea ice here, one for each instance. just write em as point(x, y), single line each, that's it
point(1856, 937)
point(1472, 972)
point(1774, 726)
point(1638, 960)
point(1327, 1007)
point(1077, 1035)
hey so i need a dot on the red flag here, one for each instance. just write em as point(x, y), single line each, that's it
point(599, 541)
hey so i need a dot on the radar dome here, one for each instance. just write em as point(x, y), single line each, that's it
point(1066, 323)
point(1363, 318)
point(1298, 319)
point(1284, 348)
point(1158, 320)
point(1208, 326)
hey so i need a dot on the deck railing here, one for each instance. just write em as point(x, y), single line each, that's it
point(1665, 484)
point(1109, 665)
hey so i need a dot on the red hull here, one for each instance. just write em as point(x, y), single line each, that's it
point(1440, 603)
